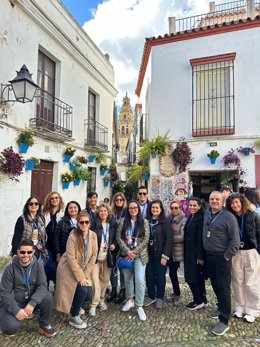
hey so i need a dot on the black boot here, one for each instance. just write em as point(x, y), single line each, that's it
point(120, 297)
point(112, 295)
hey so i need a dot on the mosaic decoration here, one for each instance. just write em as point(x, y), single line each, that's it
point(155, 187)
point(166, 193)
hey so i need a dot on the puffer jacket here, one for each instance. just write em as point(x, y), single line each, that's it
point(177, 227)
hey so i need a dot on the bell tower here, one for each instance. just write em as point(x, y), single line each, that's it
point(125, 123)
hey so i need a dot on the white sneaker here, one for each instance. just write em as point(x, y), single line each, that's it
point(102, 306)
point(92, 312)
point(238, 315)
point(128, 305)
point(81, 311)
point(141, 314)
point(249, 318)
point(77, 323)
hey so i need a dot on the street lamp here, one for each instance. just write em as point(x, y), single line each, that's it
point(22, 86)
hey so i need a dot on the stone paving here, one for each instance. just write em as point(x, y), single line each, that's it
point(172, 326)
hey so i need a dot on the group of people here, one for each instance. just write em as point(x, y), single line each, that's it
point(81, 251)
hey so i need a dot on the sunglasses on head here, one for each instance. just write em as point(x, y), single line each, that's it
point(84, 222)
point(26, 252)
point(33, 203)
point(142, 193)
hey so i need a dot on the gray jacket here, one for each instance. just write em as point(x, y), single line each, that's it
point(13, 288)
point(222, 235)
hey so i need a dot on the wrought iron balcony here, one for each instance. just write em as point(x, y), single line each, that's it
point(96, 135)
point(219, 14)
point(52, 115)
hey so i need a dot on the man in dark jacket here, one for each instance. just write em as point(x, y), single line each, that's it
point(221, 241)
point(24, 288)
point(143, 202)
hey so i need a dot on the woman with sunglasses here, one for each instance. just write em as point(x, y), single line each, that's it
point(177, 220)
point(64, 227)
point(194, 255)
point(118, 208)
point(30, 226)
point(53, 211)
point(133, 237)
point(73, 285)
point(245, 273)
point(159, 251)
point(105, 228)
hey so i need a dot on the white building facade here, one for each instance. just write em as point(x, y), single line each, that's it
point(73, 107)
point(203, 85)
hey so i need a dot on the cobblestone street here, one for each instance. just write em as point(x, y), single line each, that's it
point(172, 326)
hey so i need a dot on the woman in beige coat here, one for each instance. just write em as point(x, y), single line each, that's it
point(73, 284)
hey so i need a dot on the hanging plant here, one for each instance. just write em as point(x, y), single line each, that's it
point(182, 156)
point(11, 163)
point(231, 159)
point(137, 173)
point(25, 136)
point(155, 146)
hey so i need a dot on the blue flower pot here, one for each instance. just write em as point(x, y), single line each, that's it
point(73, 167)
point(146, 176)
point(29, 165)
point(213, 160)
point(106, 183)
point(76, 182)
point(65, 185)
point(102, 172)
point(91, 158)
point(23, 147)
point(109, 171)
point(153, 155)
point(66, 158)
point(247, 152)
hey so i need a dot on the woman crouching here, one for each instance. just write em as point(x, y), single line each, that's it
point(73, 284)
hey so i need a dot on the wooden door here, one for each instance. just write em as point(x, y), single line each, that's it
point(41, 183)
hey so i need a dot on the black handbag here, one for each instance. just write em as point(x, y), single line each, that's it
point(111, 259)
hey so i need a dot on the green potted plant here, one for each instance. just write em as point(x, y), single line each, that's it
point(154, 146)
point(182, 156)
point(25, 139)
point(81, 174)
point(138, 172)
point(213, 155)
point(100, 157)
point(106, 180)
point(68, 153)
point(102, 169)
point(11, 163)
point(66, 178)
point(31, 162)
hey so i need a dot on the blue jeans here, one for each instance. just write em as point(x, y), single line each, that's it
point(113, 278)
point(138, 275)
point(155, 278)
point(81, 294)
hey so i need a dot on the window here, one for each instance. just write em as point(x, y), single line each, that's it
point(213, 95)
point(123, 130)
point(46, 82)
point(91, 185)
point(91, 116)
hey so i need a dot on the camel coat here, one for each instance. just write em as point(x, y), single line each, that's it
point(72, 269)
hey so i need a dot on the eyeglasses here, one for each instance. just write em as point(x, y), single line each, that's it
point(84, 222)
point(25, 252)
point(119, 200)
point(33, 203)
point(174, 208)
point(55, 198)
point(133, 208)
point(142, 193)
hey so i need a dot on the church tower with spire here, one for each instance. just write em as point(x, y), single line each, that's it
point(125, 123)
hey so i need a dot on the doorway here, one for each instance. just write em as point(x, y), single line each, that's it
point(41, 183)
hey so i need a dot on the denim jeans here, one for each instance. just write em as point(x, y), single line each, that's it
point(137, 274)
point(155, 278)
point(114, 276)
point(81, 294)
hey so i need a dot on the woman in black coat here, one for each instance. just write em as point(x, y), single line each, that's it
point(159, 250)
point(194, 255)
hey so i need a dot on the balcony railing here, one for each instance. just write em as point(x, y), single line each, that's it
point(218, 14)
point(52, 115)
point(96, 137)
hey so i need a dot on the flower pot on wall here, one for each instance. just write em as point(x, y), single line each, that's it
point(29, 165)
point(106, 183)
point(213, 160)
point(65, 185)
point(73, 167)
point(66, 158)
point(146, 176)
point(23, 147)
point(102, 172)
point(109, 171)
point(91, 158)
point(247, 152)
point(76, 182)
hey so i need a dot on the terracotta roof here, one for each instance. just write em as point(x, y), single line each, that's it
point(215, 29)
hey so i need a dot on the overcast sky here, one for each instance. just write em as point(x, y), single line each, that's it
point(119, 28)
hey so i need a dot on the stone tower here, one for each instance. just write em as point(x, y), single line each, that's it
point(125, 123)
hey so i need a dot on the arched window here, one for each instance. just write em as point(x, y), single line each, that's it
point(123, 130)
point(127, 131)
